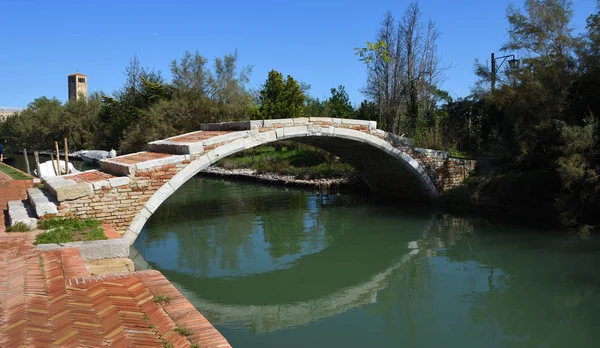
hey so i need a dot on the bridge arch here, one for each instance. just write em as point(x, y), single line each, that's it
point(128, 189)
point(385, 167)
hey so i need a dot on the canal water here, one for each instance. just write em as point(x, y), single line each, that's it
point(279, 267)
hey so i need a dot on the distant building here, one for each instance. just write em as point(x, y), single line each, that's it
point(8, 112)
point(78, 86)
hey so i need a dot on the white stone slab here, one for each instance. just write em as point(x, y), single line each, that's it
point(350, 134)
point(228, 137)
point(295, 131)
point(189, 171)
point(41, 203)
point(320, 119)
point(119, 181)
point(95, 249)
point(164, 192)
point(159, 162)
point(278, 121)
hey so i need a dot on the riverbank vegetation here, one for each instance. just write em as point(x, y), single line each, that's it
point(538, 126)
point(290, 158)
point(14, 173)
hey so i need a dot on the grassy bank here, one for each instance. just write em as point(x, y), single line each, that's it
point(64, 230)
point(302, 161)
point(14, 173)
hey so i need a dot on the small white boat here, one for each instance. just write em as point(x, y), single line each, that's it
point(94, 156)
point(48, 169)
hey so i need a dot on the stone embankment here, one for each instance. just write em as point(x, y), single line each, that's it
point(276, 179)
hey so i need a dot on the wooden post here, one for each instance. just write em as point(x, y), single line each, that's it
point(53, 163)
point(66, 157)
point(26, 161)
point(57, 159)
point(36, 156)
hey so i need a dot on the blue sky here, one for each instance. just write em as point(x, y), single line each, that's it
point(41, 42)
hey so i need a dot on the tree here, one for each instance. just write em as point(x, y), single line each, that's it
point(404, 72)
point(221, 94)
point(543, 31)
point(147, 107)
point(280, 98)
point(367, 111)
point(546, 119)
point(338, 105)
point(314, 107)
point(118, 114)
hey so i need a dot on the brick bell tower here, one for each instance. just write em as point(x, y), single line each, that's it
point(78, 86)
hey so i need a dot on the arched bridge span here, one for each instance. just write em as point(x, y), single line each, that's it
point(128, 189)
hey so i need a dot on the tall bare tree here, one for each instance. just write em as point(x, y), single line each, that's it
point(404, 79)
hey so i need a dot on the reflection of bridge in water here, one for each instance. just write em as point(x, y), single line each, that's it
point(265, 318)
point(274, 317)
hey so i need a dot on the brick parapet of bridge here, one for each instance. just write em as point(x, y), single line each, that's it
point(119, 205)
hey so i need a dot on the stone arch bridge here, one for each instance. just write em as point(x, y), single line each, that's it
point(128, 189)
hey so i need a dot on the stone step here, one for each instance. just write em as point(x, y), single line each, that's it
point(21, 211)
point(127, 165)
point(77, 185)
point(42, 202)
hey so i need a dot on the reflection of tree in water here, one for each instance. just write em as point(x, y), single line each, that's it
point(304, 221)
point(540, 290)
point(520, 288)
point(284, 229)
point(219, 220)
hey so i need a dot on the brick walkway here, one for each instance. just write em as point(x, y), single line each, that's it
point(49, 300)
point(12, 189)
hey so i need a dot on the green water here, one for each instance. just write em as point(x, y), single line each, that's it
point(276, 267)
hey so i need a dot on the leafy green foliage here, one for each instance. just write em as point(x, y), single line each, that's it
point(339, 104)
point(47, 120)
point(367, 110)
point(541, 121)
point(373, 51)
point(280, 98)
point(301, 161)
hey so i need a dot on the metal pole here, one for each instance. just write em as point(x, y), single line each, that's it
point(26, 161)
point(36, 156)
point(493, 73)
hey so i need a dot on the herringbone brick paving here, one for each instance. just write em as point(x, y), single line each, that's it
point(49, 300)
